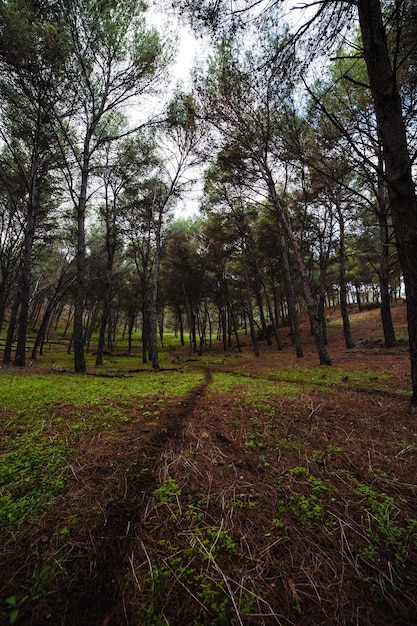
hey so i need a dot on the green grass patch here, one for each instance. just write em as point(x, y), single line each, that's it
point(308, 501)
point(33, 471)
point(43, 416)
point(252, 390)
point(37, 391)
point(320, 376)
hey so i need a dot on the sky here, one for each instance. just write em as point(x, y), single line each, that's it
point(190, 50)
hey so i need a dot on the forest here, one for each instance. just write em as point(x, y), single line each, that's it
point(208, 312)
point(299, 198)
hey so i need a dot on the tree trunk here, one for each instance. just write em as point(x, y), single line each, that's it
point(324, 356)
point(105, 317)
point(20, 355)
point(79, 357)
point(43, 327)
point(153, 317)
point(384, 236)
point(349, 343)
point(386, 317)
point(7, 354)
point(401, 190)
point(273, 316)
point(289, 288)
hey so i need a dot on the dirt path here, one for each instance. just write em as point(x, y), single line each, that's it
point(114, 481)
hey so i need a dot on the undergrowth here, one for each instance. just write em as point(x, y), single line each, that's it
point(206, 494)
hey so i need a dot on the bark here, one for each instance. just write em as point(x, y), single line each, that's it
point(401, 190)
point(43, 327)
point(321, 315)
point(343, 280)
point(273, 317)
point(79, 357)
point(7, 354)
point(290, 296)
point(386, 317)
point(236, 332)
point(384, 272)
point(153, 318)
point(249, 307)
point(32, 212)
point(311, 305)
point(102, 334)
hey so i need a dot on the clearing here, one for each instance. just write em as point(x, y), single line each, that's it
point(221, 490)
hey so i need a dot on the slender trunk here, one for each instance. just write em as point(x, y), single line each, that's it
point(250, 308)
point(324, 356)
point(102, 334)
point(69, 319)
point(20, 355)
point(130, 326)
point(343, 280)
point(358, 294)
point(273, 317)
point(7, 355)
point(43, 327)
point(386, 317)
point(105, 317)
point(384, 272)
point(78, 335)
point(401, 190)
point(235, 330)
point(202, 329)
point(290, 296)
point(181, 325)
point(321, 315)
point(153, 317)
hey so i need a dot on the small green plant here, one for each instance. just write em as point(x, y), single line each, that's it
point(13, 605)
point(168, 492)
point(307, 509)
point(211, 541)
point(238, 503)
point(382, 516)
point(32, 473)
point(267, 437)
point(192, 569)
point(298, 472)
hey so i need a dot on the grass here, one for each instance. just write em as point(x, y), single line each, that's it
point(38, 391)
point(37, 442)
point(259, 500)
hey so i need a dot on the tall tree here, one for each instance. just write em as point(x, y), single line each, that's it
point(246, 99)
point(115, 58)
point(32, 53)
point(392, 132)
point(332, 17)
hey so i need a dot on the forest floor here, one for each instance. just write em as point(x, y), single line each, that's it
point(273, 491)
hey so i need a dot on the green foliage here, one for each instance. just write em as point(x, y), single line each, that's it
point(250, 389)
point(39, 392)
point(37, 441)
point(33, 472)
point(270, 438)
point(190, 568)
point(310, 509)
point(168, 492)
point(13, 604)
point(383, 516)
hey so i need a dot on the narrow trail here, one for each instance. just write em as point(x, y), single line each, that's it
point(93, 592)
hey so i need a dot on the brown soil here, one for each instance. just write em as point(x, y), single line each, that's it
point(214, 554)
